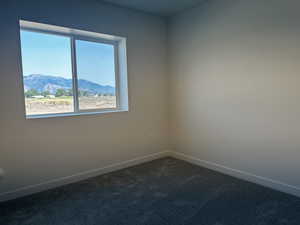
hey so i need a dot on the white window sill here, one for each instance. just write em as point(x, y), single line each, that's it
point(74, 114)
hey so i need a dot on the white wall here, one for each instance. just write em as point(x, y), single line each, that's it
point(36, 151)
point(235, 85)
point(234, 91)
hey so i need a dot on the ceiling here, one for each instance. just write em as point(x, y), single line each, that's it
point(159, 7)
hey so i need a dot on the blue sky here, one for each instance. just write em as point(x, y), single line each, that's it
point(51, 55)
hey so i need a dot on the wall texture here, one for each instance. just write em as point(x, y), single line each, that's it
point(233, 90)
point(235, 85)
point(36, 151)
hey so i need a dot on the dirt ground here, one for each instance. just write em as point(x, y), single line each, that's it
point(65, 104)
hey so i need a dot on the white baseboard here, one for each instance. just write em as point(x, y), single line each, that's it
point(264, 181)
point(267, 182)
point(21, 192)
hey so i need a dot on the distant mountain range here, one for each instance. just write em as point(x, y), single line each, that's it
point(42, 83)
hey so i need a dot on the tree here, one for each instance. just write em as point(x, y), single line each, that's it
point(69, 92)
point(31, 92)
point(83, 93)
point(60, 92)
point(45, 93)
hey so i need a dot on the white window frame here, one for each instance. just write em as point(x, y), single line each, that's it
point(120, 59)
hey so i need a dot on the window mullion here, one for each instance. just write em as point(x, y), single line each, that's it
point(117, 73)
point(74, 75)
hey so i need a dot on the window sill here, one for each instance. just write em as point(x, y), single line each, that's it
point(74, 114)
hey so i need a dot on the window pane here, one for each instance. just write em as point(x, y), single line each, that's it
point(96, 75)
point(47, 73)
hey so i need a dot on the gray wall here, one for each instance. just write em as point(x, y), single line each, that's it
point(235, 85)
point(35, 151)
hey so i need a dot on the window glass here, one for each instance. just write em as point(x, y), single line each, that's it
point(47, 73)
point(96, 75)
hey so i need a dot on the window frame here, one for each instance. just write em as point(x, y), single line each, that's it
point(119, 46)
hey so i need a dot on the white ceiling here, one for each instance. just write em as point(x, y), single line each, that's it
point(159, 7)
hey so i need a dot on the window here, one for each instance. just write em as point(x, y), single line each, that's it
point(70, 72)
point(93, 60)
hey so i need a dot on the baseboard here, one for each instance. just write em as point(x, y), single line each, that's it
point(24, 191)
point(267, 182)
point(264, 181)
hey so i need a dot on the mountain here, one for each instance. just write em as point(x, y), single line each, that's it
point(52, 83)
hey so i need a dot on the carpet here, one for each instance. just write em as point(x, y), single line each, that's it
point(162, 192)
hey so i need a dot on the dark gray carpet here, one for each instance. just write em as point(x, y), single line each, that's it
point(162, 192)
